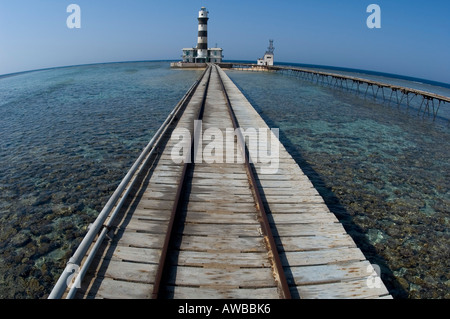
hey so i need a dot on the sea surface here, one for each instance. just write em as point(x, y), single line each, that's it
point(383, 169)
point(67, 138)
point(69, 135)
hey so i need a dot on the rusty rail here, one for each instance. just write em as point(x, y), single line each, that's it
point(175, 208)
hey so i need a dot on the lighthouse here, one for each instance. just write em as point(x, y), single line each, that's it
point(202, 42)
point(201, 54)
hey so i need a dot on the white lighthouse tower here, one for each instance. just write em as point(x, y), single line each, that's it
point(202, 42)
point(198, 56)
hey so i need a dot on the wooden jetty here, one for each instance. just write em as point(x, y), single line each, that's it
point(206, 227)
point(429, 104)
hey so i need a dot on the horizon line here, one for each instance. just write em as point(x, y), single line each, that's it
point(369, 72)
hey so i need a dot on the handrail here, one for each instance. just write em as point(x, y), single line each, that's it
point(99, 224)
point(406, 90)
point(370, 82)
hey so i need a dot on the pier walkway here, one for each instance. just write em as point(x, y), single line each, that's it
point(195, 221)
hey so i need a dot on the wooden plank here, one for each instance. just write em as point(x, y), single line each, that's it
point(163, 188)
point(116, 289)
point(303, 208)
point(140, 240)
point(319, 274)
point(220, 197)
point(222, 293)
point(321, 257)
point(130, 271)
point(222, 168)
point(245, 190)
point(223, 244)
point(355, 289)
point(158, 179)
point(172, 173)
point(218, 278)
point(309, 229)
point(145, 225)
point(222, 207)
point(223, 231)
point(301, 197)
point(152, 214)
point(303, 217)
point(134, 254)
point(160, 204)
point(220, 218)
point(217, 182)
point(286, 191)
point(269, 183)
point(222, 260)
point(276, 208)
point(153, 193)
point(231, 175)
point(311, 243)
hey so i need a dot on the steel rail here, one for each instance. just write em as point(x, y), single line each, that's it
point(65, 281)
point(265, 225)
point(175, 208)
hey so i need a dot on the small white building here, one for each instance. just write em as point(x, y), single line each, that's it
point(214, 55)
point(268, 56)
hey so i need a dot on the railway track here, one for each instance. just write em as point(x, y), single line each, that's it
point(216, 207)
point(189, 221)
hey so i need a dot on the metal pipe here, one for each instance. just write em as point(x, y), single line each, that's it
point(86, 264)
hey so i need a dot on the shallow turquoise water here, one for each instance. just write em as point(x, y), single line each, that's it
point(382, 170)
point(67, 138)
point(69, 135)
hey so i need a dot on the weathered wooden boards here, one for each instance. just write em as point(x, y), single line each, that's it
point(214, 255)
point(220, 251)
point(320, 258)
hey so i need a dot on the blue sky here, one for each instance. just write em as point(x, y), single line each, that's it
point(414, 39)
